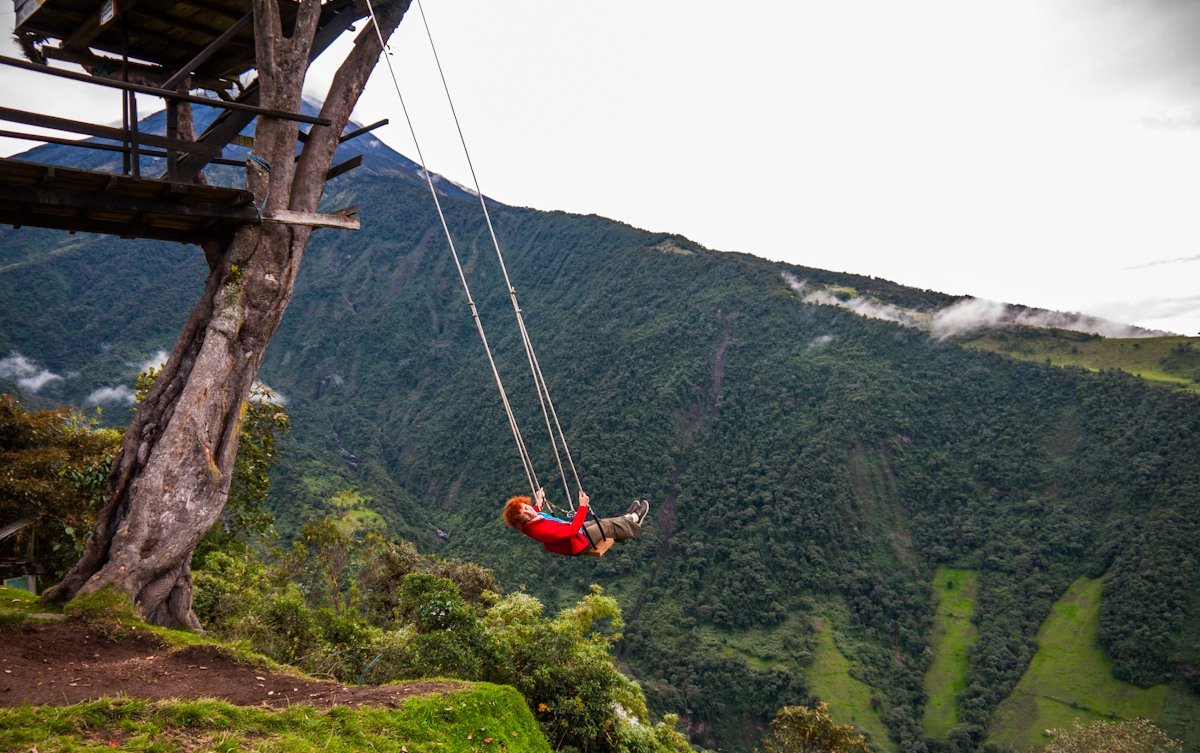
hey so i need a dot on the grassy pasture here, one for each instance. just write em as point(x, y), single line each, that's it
point(849, 699)
point(953, 636)
point(1070, 678)
point(1173, 360)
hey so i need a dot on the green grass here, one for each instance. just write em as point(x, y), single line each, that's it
point(1173, 360)
point(953, 636)
point(786, 646)
point(16, 606)
point(481, 719)
point(849, 699)
point(1070, 677)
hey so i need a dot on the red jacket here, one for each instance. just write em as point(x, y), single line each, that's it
point(558, 536)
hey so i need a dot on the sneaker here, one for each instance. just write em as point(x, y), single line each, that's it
point(643, 509)
point(634, 507)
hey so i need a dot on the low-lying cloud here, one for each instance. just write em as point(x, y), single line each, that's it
point(1180, 260)
point(119, 395)
point(155, 362)
point(969, 314)
point(28, 375)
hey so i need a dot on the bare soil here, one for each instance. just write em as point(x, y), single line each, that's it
point(69, 662)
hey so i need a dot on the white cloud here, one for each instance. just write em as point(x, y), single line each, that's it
point(38, 381)
point(970, 314)
point(28, 375)
point(155, 362)
point(16, 365)
point(111, 396)
point(1180, 260)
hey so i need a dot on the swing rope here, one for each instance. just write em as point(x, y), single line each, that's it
point(548, 411)
point(526, 461)
point(543, 391)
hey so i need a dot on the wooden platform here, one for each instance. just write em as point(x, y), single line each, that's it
point(163, 32)
point(83, 201)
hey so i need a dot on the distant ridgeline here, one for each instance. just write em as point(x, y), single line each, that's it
point(810, 469)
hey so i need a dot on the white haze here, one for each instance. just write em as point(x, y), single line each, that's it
point(28, 375)
point(119, 395)
point(967, 315)
point(155, 362)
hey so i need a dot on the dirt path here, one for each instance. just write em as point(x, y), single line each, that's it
point(68, 662)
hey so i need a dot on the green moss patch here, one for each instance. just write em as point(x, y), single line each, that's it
point(481, 719)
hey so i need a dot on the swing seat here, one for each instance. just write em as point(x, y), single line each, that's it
point(601, 547)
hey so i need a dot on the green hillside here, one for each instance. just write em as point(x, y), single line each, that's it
point(849, 699)
point(1071, 678)
point(952, 638)
point(1173, 361)
point(795, 454)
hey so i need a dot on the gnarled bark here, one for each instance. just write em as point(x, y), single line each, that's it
point(171, 476)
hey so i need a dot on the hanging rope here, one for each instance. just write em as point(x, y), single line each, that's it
point(526, 461)
point(543, 391)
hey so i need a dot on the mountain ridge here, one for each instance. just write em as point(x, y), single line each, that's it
point(819, 463)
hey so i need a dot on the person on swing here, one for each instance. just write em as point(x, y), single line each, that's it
point(574, 537)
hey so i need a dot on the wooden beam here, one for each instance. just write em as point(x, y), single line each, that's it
point(232, 14)
point(227, 125)
point(86, 144)
point(169, 21)
point(365, 129)
point(34, 197)
point(190, 67)
point(159, 92)
point(91, 28)
point(344, 167)
point(345, 219)
point(23, 218)
point(104, 132)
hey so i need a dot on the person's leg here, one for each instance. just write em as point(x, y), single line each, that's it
point(617, 529)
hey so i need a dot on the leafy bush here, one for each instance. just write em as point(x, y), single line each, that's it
point(378, 610)
point(1138, 736)
point(798, 729)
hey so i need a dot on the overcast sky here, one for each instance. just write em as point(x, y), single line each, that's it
point(1043, 152)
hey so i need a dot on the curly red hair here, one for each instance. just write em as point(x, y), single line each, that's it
point(512, 511)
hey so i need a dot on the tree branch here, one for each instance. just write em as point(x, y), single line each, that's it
point(344, 91)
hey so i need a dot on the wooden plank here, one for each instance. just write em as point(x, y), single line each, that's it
point(170, 21)
point(159, 92)
point(24, 10)
point(190, 67)
point(341, 15)
point(22, 218)
point(344, 219)
point(91, 28)
point(343, 167)
point(112, 202)
point(88, 144)
point(104, 132)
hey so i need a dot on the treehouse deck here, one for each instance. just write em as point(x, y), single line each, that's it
point(63, 198)
point(166, 33)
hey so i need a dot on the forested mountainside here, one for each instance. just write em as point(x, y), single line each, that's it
point(809, 470)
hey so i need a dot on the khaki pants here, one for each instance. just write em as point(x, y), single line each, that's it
point(617, 529)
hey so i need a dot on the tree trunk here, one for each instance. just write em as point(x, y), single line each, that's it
point(171, 476)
